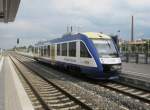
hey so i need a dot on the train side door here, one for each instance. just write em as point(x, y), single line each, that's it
point(53, 54)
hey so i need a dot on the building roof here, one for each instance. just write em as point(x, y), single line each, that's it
point(8, 10)
point(137, 42)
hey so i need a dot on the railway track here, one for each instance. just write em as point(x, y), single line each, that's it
point(44, 94)
point(136, 93)
point(140, 94)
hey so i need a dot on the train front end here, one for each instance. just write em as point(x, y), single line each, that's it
point(109, 57)
point(106, 56)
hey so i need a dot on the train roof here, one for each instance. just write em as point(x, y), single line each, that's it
point(69, 36)
point(96, 35)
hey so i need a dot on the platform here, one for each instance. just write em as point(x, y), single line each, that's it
point(136, 75)
point(12, 93)
point(136, 69)
point(1, 85)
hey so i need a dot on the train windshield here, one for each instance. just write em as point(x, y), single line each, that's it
point(106, 48)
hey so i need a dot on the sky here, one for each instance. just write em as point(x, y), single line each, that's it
point(39, 20)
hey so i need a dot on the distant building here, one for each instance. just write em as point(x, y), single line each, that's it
point(137, 46)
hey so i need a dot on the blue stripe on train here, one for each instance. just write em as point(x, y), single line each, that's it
point(91, 72)
point(88, 43)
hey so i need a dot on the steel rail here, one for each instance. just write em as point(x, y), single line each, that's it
point(145, 100)
point(83, 105)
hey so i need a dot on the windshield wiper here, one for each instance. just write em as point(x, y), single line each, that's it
point(108, 44)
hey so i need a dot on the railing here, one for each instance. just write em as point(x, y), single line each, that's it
point(136, 58)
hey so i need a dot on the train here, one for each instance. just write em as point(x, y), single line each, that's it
point(91, 53)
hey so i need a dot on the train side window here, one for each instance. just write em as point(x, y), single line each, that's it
point(48, 50)
point(64, 49)
point(36, 50)
point(32, 49)
point(83, 51)
point(42, 51)
point(39, 51)
point(58, 49)
point(72, 49)
point(45, 50)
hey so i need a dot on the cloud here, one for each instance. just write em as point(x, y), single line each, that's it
point(18, 25)
point(38, 20)
point(138, 3)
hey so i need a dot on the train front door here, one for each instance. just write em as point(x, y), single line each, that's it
point(53, 54)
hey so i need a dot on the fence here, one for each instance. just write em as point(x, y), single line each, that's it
point(135, 58)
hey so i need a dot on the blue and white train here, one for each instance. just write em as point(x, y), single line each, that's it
point(94, 54)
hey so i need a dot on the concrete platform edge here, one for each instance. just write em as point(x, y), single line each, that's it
point(1, 63)
point(1, 84)
point(22, 101)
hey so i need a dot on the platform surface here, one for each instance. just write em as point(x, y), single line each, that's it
point(12, 93)
point(1, 85)
point(136, 69)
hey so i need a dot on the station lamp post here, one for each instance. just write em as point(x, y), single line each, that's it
point(118, 35)
point(148, 47)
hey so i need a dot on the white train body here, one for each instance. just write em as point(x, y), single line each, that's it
point(93, 54)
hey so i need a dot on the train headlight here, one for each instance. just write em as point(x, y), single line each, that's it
point(116, 67)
